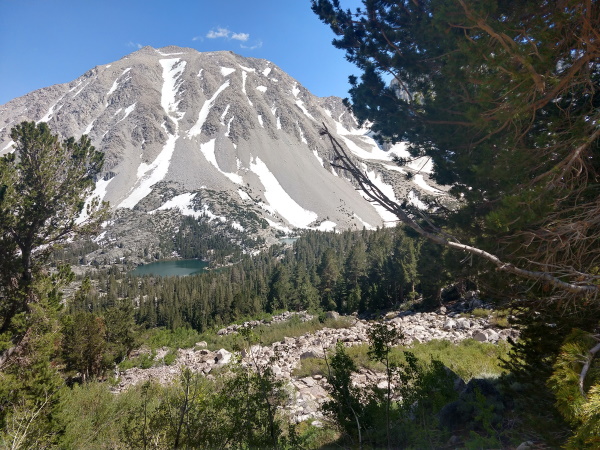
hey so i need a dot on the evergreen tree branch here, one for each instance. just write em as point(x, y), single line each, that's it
point(586, 287)
point(586, 367)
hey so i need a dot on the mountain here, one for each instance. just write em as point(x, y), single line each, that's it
point(229, 140)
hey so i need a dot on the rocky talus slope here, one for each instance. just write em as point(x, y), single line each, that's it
point(309, 393)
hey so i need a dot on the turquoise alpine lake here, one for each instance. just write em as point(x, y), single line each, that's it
point(177, 268)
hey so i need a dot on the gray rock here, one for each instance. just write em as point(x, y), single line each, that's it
point(332, 315)
point(480, 336)
point(463, 323)
point(309, 354)
point(449, 325)
point(222, 357)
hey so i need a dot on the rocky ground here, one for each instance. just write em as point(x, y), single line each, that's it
point(308, 393)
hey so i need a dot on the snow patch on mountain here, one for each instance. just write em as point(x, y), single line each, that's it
point(49, 114)
point(244, 75)
point(9, 145)
point(326, 225)
point(208, 150)
point(302, 138)
point(278, 226)
point(222, 119)
point(206, 107)
point(226, 71)
point(319, 158)
point(394, 168)
point(206, 212)
point(116, 83)
point(365, 224)
point(98, 193)
point(76, 86)
point(80, 90)
point(300, 105)
point(128, 111)
point(419, 181)
point(169, 54)
point(262, 89)
point(183, 203)
point(279, 199)
point(414, 200)
point(172, 71)
point(389, 218)
point(423, 164)
point(150, 174)
point(237, 226)
point(229, 126)
point(243, 195)
point(374, 154)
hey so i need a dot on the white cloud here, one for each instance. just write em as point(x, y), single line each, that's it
point(226, 33)
point(198, 38)
point(258, 44)
point(240, 36)
point(219, 33)
point(134, 44)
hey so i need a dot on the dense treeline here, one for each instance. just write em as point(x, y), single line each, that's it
point(199, 239)
point(347, 272)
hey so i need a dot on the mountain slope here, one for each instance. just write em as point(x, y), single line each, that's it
point(214, 135)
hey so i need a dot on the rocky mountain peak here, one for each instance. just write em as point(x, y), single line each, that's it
point(212, 134)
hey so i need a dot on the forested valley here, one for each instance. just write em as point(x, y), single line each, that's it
point(503, 97)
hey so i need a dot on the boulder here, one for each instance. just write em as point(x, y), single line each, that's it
point(449, 325)
point(309, 354)
point(480, 336)
point(222, 357)
point(463, 324)
point(332, 315)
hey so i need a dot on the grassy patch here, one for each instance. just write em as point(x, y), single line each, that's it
point(143, 361)
point(265, 334)
point(269, 334)
point(178, 338)
point(500, 318)
point(479, 313)
point(469, 359)
point(497, 317)
point(310, 367)
point(313, 437)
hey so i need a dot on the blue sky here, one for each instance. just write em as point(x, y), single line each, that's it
point(46, 42)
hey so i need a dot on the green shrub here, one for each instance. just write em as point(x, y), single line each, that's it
point(310, 367)
point(468, 359)
point(170, 357)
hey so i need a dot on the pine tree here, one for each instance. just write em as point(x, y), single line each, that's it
point(43, 189)
point(503, 97)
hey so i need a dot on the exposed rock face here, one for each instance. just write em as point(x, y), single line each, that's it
point(284, 356)
point(217, 135)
